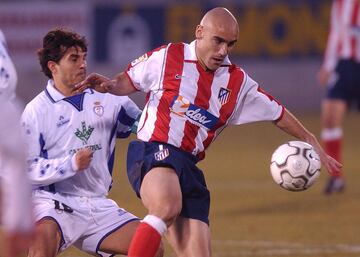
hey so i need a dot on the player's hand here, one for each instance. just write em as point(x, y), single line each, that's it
point(83, 158)
point(323, 77)
point(95, 81)
point(332, 165)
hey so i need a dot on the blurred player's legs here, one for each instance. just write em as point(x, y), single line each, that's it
point(47, 242)
point(333, 112)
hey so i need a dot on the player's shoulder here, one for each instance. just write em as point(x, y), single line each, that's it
point(38, 104)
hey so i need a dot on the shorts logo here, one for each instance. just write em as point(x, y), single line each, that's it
point(196, 115)
point(98, 109)
point(224, 95)
point(162, 153)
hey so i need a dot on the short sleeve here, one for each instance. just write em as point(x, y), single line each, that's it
point(255, 104)
point(145, 72)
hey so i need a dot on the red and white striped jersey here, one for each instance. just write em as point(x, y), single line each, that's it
point(344, 36)
point(187, 106)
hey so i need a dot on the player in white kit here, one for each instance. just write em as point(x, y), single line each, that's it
point(71, 155)
point(194, 92)
point(16, 211)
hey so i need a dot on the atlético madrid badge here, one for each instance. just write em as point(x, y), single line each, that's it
point(98, 109)
point(224, 95)
point(162, 153)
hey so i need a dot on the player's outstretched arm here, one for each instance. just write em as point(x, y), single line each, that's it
point(291, 125)
point(119, 85)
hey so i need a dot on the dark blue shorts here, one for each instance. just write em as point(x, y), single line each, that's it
point(143, 156)
point(347, 85)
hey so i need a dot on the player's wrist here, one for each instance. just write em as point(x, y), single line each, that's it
point(74, 164)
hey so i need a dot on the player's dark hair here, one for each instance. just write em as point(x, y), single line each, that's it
point(55, 44)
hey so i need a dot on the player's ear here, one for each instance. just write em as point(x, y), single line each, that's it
point(51, 66)
point(199, 32)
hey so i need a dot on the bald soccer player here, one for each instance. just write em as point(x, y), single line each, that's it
point(193, 93)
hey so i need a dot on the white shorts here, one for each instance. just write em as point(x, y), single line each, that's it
point(84, 222)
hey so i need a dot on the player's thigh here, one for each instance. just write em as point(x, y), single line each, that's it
point(333, 112)
point(161, 193)
point(189, 238)
point(48, 238)
point(119, 240)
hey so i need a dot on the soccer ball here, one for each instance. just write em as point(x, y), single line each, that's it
point(295, 166)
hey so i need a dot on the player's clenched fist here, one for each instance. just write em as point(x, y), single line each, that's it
point(83, 158)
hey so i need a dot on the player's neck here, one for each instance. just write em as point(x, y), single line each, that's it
point(63, 89)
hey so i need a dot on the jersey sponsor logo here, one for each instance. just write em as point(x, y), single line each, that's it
point(98, 109)
point(196, 115)
point(162, 153)
point(93, 148)
point(85, 132)
point(62, 121)
point(224, 95)
point(140, 59)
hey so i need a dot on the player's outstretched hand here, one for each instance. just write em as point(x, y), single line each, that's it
point(332, 165)
point(83, 158)
point(95, 81)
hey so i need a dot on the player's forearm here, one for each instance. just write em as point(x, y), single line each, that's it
point(291, 125)
point(43, 172)
point(123, 85)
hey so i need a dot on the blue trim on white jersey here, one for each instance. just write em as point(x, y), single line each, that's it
point(123, 134)
point(48, 95)
point(111, 165)
point(44, 154)
point(124, 118)
point(76, 101)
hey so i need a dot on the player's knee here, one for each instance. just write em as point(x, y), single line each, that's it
point(167, 212)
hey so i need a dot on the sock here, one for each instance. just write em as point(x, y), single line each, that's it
point(332, 142)
point(147, 237)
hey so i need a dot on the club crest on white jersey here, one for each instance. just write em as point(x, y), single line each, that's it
point(98, 109)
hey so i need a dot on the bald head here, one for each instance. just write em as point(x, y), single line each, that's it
point(215, 37)
point(220, 18)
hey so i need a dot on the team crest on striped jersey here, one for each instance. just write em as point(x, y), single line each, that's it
point(162, 153)
point(224, 95)
point(98, 109)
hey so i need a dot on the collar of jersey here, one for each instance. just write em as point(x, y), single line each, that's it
point(191, 55)
point(55, 96)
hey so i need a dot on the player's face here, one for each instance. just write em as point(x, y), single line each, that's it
point(72, 67)
point(214, 44)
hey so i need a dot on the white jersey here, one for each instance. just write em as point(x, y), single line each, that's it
point(16, 211)
point(8, 76)
point(187, 106)
point(57, 127)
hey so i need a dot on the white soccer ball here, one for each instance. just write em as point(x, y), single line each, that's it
point(295, 166)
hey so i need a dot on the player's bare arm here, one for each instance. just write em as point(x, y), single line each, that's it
point(293, 126)
point(119, 85)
